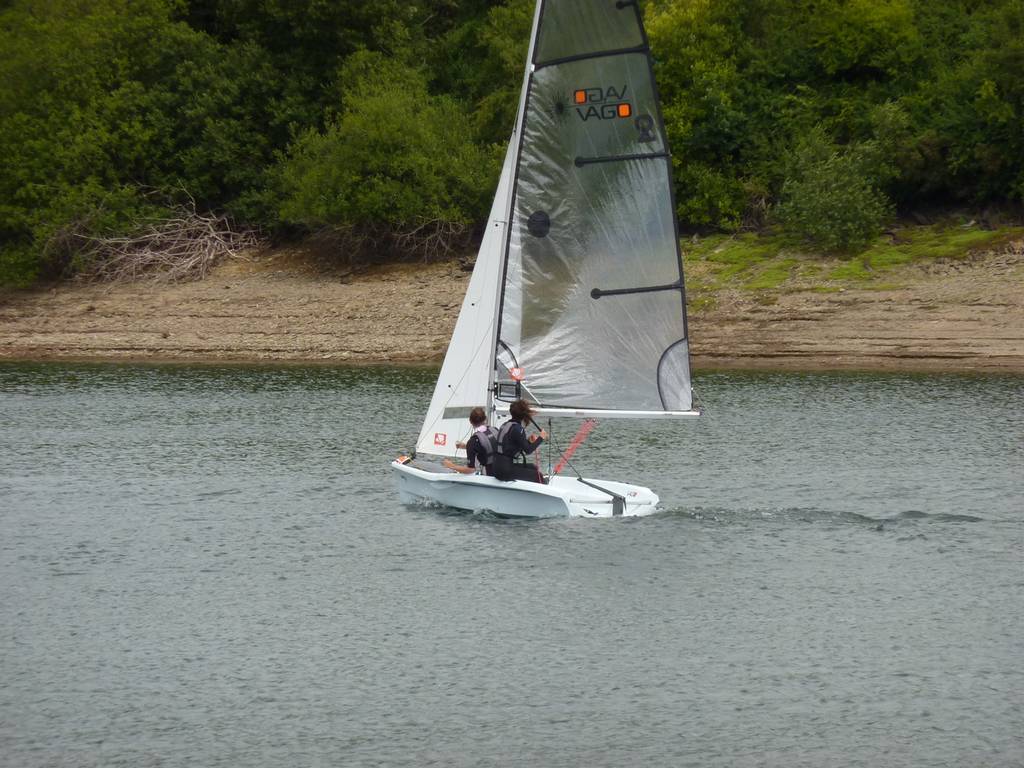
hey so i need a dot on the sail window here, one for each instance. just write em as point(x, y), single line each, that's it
point(539, 224)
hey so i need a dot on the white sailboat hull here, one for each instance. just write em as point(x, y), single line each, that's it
point(560, 497)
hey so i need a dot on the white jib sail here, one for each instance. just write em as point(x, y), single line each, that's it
point(465, 374)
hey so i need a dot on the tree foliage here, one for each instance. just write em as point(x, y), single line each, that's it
point(831, 195)
point(394, 160)
point(929, 85)
point(384, 113)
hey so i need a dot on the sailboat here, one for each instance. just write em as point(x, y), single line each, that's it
point(577, 301)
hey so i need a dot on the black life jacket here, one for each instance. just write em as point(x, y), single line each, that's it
point(488, 440)
point(504, 454)
point(504, 447)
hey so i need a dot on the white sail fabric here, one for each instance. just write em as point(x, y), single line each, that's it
point(593, 307)
point(465, 374)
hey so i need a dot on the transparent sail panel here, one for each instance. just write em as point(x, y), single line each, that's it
point(593, 310)
point(575, 27)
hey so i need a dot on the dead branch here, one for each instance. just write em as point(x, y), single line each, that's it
point(432, 239)
point(426, 239)
point(181, 248)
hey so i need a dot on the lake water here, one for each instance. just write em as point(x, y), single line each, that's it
point(208, 566)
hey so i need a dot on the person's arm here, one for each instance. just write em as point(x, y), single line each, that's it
point(458, 467)
point(472, 448)
point(529, 445)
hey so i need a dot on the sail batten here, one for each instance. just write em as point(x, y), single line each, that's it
point(579, 162)
point(591, 55)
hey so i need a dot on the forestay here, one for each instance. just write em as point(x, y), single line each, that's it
point(593, 308)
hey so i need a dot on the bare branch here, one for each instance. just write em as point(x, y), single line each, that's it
point(181, 248)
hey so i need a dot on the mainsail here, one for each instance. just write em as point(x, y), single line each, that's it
point(593, 311)
point(579, 304)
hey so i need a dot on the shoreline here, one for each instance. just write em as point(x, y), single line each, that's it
point(699, 364)
point(951, 316)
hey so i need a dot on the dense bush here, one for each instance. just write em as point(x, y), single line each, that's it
point(831, 197)
point(395, 160)
point(822, 115)
point(930, 86)
point(113, 113)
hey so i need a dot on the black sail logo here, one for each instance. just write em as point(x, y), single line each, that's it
point(608, 103)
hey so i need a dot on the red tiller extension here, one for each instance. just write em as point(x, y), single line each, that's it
point(585, 429)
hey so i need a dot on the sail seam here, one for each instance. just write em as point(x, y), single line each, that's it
point(592, 55)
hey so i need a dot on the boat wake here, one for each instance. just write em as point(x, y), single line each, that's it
point(815, 516)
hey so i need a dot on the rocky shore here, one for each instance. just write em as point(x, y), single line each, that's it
point(952, 315)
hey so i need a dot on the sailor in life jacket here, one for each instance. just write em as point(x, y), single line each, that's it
point(480, 448)
point(513, 443)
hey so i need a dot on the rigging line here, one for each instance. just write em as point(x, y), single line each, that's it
point(562, 453)
point(551, 440)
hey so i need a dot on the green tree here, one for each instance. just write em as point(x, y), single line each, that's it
point(969, 115)
point(114, 110)
point(832, 197)
point(395, 158)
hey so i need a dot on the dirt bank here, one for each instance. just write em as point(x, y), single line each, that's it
point(960, 315)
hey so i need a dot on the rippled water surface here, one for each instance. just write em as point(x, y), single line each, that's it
point(208, 566)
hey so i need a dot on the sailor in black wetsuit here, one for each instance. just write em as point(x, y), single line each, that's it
point(513, 443)
point(480, 448)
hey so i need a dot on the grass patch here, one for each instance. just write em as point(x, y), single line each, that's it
point(855, 269)
point(934, 242)
point(772, 275)
point(702, 303)
point(766, 262)
point(738, 251)
point(748, 261)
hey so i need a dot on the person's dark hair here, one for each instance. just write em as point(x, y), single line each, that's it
point(477, 416)
point(520, 410)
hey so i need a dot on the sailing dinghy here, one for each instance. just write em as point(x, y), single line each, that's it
point(576, 303)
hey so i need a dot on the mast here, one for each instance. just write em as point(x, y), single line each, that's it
point(517, 138)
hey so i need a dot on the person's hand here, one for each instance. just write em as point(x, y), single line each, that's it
point(460, 444)
point(532, 438)
point(543, 435)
